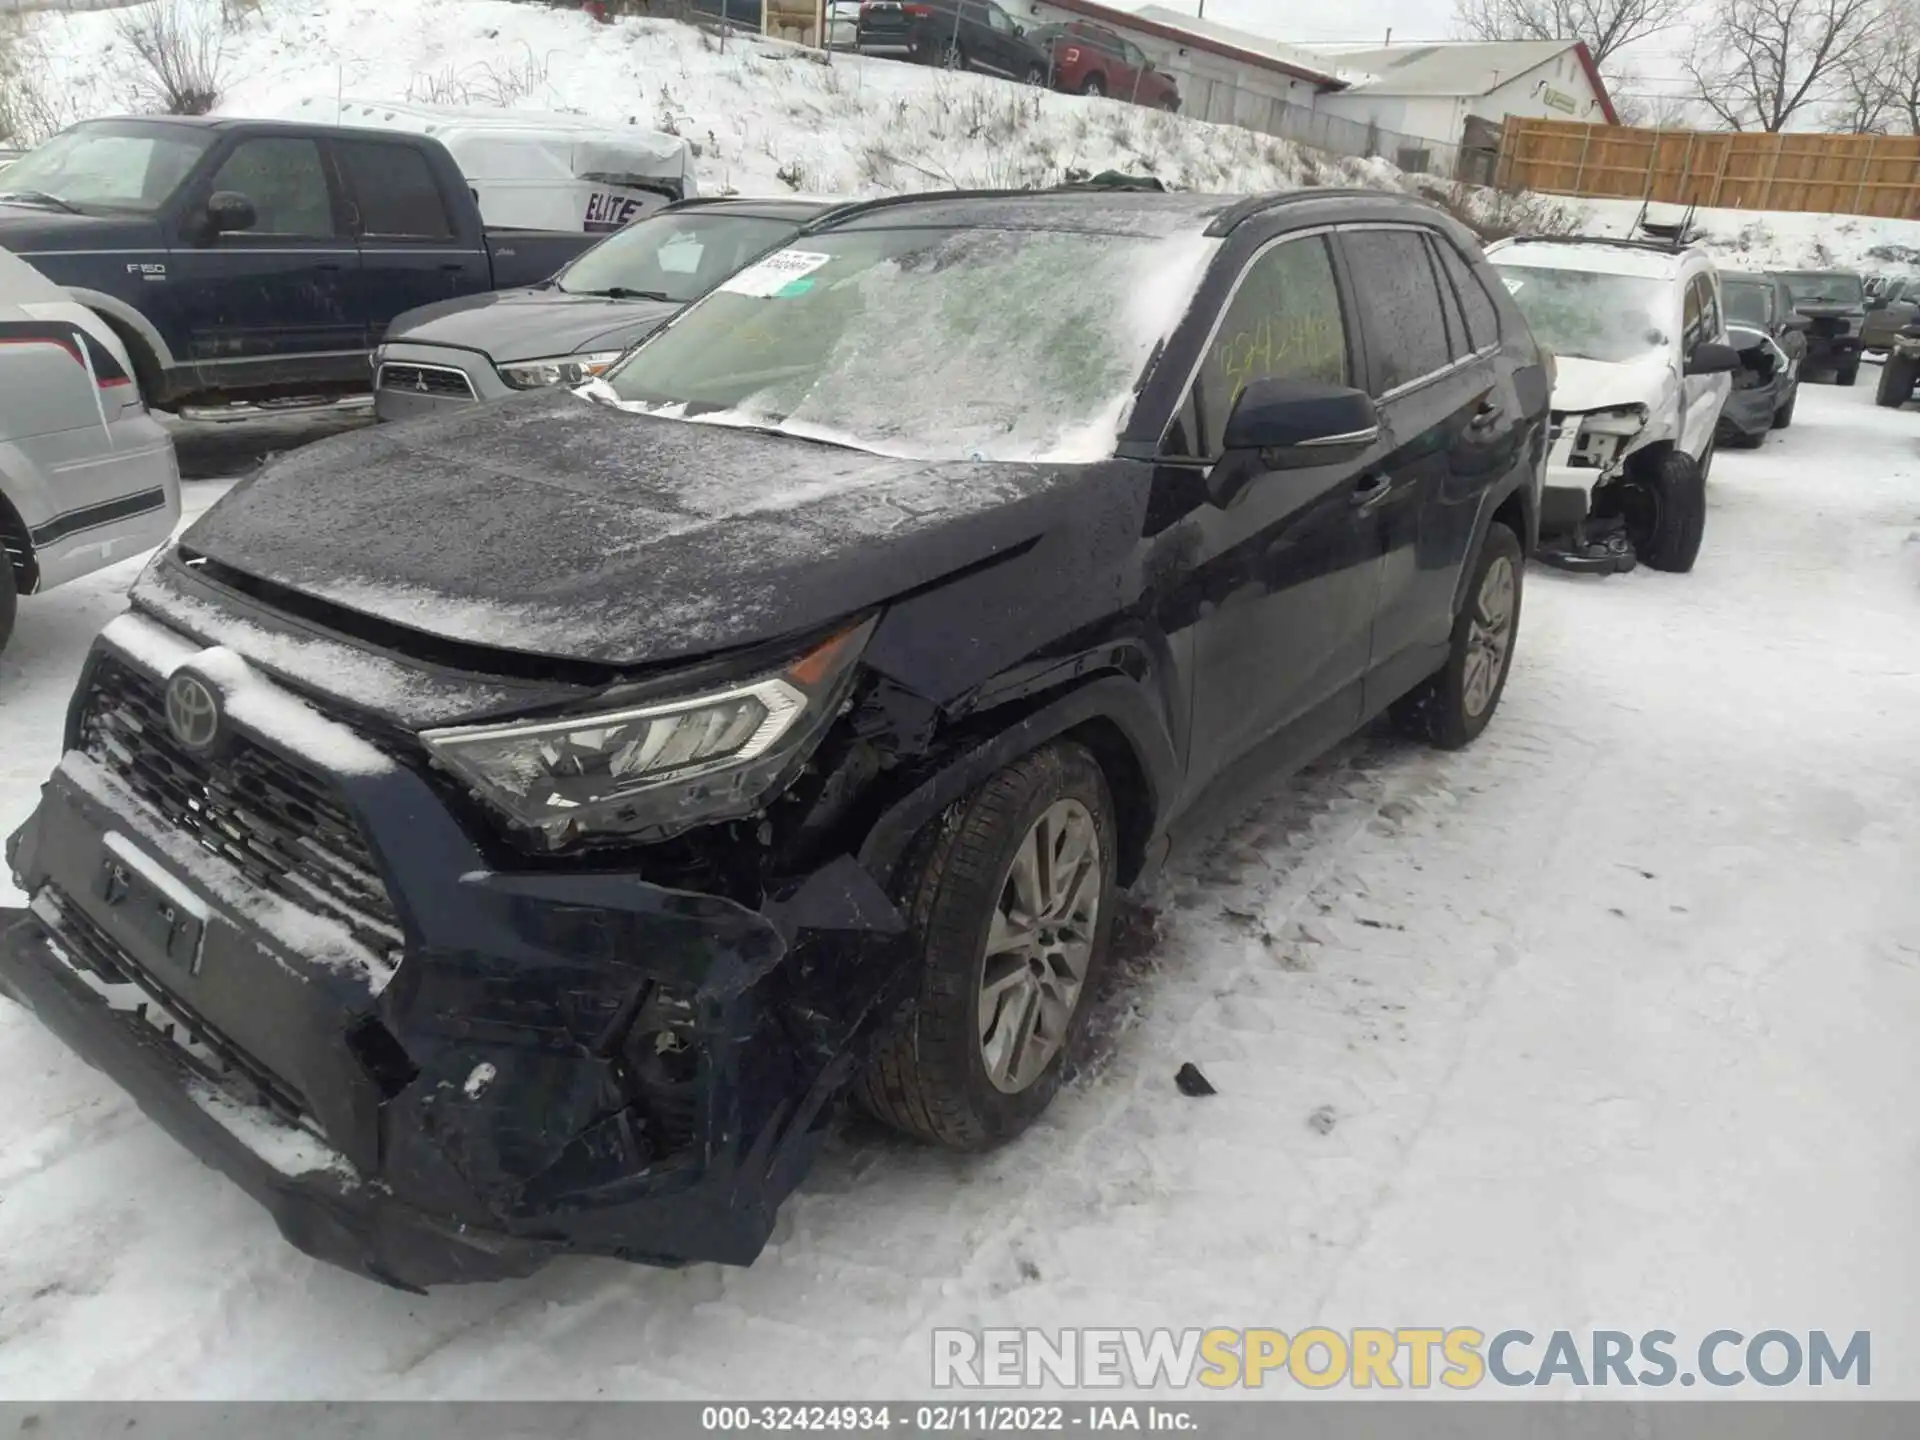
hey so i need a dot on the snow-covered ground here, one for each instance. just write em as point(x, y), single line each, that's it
point(1605, 1022)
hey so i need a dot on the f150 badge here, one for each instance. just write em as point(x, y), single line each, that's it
point(146, 271)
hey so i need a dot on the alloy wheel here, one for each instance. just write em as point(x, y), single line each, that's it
point(1039, 945)
point(1489, 635)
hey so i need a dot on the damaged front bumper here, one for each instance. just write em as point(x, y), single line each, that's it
point(540, 1061)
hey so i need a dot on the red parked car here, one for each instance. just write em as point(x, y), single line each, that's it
point(1089, 59)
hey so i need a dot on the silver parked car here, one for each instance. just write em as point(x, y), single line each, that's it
point(87, 476)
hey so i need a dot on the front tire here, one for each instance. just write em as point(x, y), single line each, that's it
point(1093, 85)
point(1847, 374)
point(1664, 504)
point(1897, 379)
point(1452, 706)
point(1011, 897)
point(1783, 417)
point(1036, 75)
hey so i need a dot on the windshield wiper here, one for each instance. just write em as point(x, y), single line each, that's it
point(621, 292)
point(39, 197)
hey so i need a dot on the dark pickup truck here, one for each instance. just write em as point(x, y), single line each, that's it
point(257, 260)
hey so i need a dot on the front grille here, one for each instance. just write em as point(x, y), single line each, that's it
point(271, 819)
point(114, 975)
point(441, 380)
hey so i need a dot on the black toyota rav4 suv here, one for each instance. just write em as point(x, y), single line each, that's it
point(512, 832)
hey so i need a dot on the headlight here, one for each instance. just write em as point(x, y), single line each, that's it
point(558, 370)
point(652, 770)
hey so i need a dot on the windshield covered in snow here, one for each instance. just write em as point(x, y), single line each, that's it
point(1585, 315)
point(672, 257)
point(133, 167)
point(1824, 287)
point(1748, 300)
point(928, 343)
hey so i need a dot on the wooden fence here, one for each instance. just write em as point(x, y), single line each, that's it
point(1841, 174)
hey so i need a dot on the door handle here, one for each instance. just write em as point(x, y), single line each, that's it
point(1488, 412)
point(331, 267)
point(1370, 490)
point(454, 267)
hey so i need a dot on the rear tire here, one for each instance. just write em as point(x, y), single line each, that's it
point(1036, 75)
point(1783, 417)
point(1741, 440)
point(1664, 503)
point(943, 1071)
point(1847, 375)
point(1093, 85)
point(1452, 706)
point(1897, 379)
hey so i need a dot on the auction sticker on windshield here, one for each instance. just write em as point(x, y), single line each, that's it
point(777, 271)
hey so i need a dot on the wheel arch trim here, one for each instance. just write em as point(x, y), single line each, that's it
point(1116, 720)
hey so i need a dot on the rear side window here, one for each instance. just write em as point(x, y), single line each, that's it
point(1483, 320)
point(1284, 322)
point(1393, 283)
point(393, 189)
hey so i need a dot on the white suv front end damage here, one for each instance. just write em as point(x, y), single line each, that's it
point(1642, 369)
point(1603, 414)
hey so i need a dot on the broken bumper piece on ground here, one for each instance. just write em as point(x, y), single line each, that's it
point(560, 1062)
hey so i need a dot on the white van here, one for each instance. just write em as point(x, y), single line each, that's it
point(534, 171)
point(87, 476)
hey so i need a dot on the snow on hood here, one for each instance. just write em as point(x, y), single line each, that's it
point(552, 525)
point(1581, 386)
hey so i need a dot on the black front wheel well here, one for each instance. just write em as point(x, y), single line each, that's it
point(1133, 808)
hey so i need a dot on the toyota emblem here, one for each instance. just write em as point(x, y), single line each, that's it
point(193, 711)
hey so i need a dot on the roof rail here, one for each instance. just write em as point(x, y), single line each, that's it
point(1244, 210)
point(913, 197)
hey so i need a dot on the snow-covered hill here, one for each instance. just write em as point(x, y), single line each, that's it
point(764, 117)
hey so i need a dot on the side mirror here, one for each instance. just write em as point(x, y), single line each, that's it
point(1876, 302)
point(1798, 322)
point(1297, 423)
point(1710, 357)
point(1019, 29)
point(229, 211)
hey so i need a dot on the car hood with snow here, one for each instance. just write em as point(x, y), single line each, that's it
point(529, 324)
point(553, 525)
point(1582, 387)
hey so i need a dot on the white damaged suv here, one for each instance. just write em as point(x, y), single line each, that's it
point(1642, 368)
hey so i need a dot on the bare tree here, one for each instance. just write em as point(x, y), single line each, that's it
point(1880, 82)
point(1648, 109)
point(1606, 25)
point(1756, 64)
